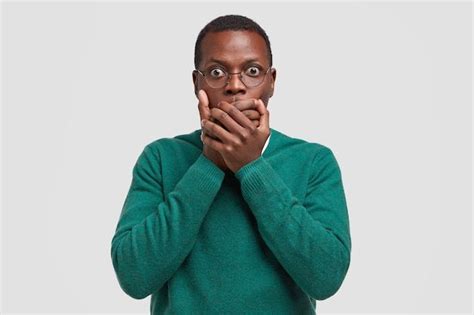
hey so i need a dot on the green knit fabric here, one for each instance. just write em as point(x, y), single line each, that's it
point(270, 239)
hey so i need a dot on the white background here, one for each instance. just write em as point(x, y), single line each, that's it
point(386, 86)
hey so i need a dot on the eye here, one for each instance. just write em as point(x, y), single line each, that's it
point(253, 71)
point(216, 73)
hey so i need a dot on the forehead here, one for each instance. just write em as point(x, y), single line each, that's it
point(233, 47)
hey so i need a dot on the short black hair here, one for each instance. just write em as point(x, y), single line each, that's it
point(230, 22)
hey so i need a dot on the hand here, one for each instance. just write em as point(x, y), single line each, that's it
point(240, 142)
point(252, 114)
point(204, 113)
point(245, 107)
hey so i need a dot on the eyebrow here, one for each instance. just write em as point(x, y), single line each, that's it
point(222, 62)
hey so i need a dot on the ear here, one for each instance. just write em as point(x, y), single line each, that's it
point(195, 82)
point(273, 79)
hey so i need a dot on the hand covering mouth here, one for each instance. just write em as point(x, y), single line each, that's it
point(217, 122)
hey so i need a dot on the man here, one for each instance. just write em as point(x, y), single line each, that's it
point(235, 217)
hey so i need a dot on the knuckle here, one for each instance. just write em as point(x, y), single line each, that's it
point(233, 111)
point(223, 115)
point(221, 105)
point(245, 135)
point(236, 142)
point(242, 104)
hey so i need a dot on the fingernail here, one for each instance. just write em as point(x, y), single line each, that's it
point(202, 122)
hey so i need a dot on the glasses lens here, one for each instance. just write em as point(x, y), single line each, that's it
point(252, 81)
point(218, 82)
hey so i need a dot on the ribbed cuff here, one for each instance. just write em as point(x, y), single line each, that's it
point(262, 187)
point(203, 179)
point(210, 175)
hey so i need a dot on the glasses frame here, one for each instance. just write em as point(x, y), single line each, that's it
point(229, 77)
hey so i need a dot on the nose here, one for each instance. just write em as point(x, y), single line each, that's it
point(235, 85)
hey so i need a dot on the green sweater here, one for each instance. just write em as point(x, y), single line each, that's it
point(271, 239)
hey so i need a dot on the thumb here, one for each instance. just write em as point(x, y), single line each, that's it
point(203, 105)
point(264, 116)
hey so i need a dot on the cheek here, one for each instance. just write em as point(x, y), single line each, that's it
point(265, 98)
point(265, 95)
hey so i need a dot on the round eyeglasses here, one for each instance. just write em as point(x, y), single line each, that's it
point(217, 77)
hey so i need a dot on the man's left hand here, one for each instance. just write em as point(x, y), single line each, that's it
point(242, 142)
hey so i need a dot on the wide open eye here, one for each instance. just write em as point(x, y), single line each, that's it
point(253, 71)
point(216, 73)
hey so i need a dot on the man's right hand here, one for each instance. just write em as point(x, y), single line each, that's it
point(205, 113)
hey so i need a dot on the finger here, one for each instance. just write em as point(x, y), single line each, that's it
point(264, 115)
point(232, 118)
point(219, 132)
point(245, 104)
point(207, 132)
point(215, 120)
point(256, 123)
point(224, 115)
point(213, 143)
point(249, 108)
point(203, 105)
point(251, 114)
point(203, 108)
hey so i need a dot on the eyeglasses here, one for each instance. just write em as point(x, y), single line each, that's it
point(217, 78)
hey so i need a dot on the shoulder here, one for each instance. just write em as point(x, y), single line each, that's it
point(169, 145)
point(301, 147)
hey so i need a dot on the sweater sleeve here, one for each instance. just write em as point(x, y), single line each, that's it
point(155, 234)
point(310, 239)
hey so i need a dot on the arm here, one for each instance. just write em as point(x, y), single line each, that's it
point(311, 240)
point(154, 236)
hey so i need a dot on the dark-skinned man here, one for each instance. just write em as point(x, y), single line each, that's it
point(235, 217)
